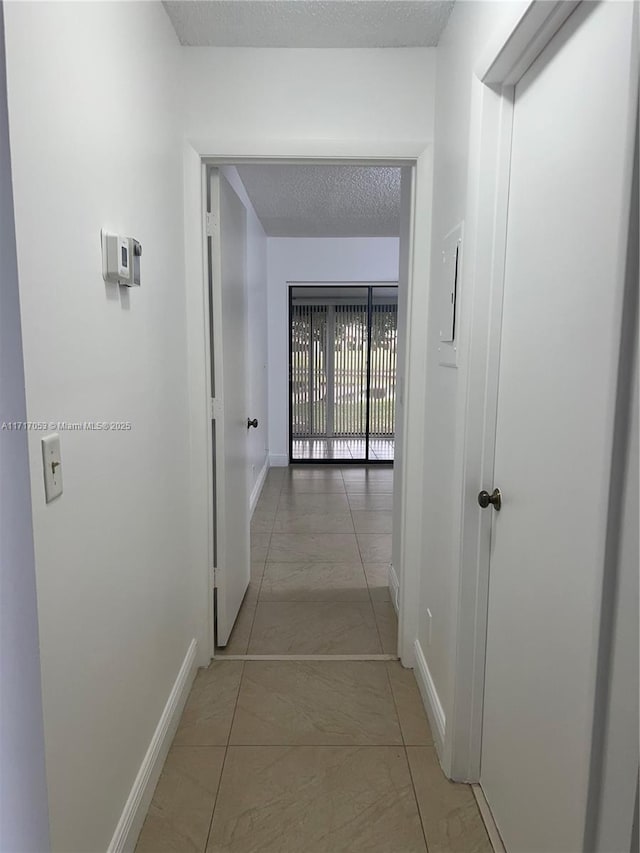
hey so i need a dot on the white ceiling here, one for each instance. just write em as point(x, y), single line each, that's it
point(325, 201)
point(309, 23)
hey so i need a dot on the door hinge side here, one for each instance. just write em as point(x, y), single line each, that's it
point(210, 223)
point(215, 408)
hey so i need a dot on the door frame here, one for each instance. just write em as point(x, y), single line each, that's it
point(497, 74)
point(414, 156)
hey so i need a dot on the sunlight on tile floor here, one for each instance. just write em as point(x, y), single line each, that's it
point(380, 449)
point(311, 756)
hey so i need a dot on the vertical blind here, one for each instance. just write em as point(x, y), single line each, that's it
point(343, 364)
point(384, 335)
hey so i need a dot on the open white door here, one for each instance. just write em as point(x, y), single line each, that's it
point(227, 323)
point(564, 286)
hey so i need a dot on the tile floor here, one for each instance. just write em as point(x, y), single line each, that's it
point(320, 550)
point(304, 756)
point(380, 449)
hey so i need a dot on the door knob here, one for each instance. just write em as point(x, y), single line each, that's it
point(252, 423)
point(495, 499)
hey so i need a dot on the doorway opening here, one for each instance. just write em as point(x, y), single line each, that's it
point(307, 296)
point(342, 372)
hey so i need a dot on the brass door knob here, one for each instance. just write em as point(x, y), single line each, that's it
point(495, 499)
point(252, 423)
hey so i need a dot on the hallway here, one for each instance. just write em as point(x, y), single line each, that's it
point(320, 552)
point(301, 755)
point(205, 162)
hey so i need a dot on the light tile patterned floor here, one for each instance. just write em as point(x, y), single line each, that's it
point(311, 756)
point(320, 551)
point(380, 449)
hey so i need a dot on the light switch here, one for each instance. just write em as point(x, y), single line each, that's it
point(448, 297)
point(449, 279)
point(52, 462)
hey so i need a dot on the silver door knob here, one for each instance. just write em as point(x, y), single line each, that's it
point(494, 499)
point(252, 423)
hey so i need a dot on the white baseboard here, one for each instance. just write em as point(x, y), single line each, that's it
point(394, 588)
point(135, 809)
point(255, 494)
point(430, 697)
point(278, 460)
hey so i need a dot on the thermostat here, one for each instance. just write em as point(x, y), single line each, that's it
point(120, 259)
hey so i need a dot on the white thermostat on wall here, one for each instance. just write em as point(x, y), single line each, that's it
point(120, 259)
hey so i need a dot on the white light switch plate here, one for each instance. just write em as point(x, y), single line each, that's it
point(52, 463)
point(448, 297)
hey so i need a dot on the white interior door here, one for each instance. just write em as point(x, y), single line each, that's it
point(228, 321)
point(567, 224)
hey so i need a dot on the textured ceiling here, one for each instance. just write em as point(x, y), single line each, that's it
point(325, 201)
point(309, 23)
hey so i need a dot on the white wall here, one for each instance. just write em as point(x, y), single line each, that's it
point(472, 27)
point(612, 815)
point(257, 379)
point(320, 103)
point(617, 770)
point(247, 94)
point(24, 822)
point(298, 259)
point(118, 603)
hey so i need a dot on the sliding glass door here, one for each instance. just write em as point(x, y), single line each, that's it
point(342, 372)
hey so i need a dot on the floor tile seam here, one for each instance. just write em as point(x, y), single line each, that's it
point(279, 497)
point(262, 574)
point(366, 600)
point(366, 579)
point(235, 704)
point(312, 492)
point(395, 705)
point(314, 533)
point(253, 618)
point(362, 600)
point(264, 565)
point(385, 745)
point(216, 798)
point(264, 569)
point(262, 512)
point(278, 490)
point(262, 532)
point(255, 603)
point(415, 797)
point(226, 752)
point(319, 746)
point(373, 609)
point(266, 556)
point(323, 562)
point(298, 506)
point(307, 532)
point(370, 493)
point(382, 657)
point(375, 618)
point(307, 560)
